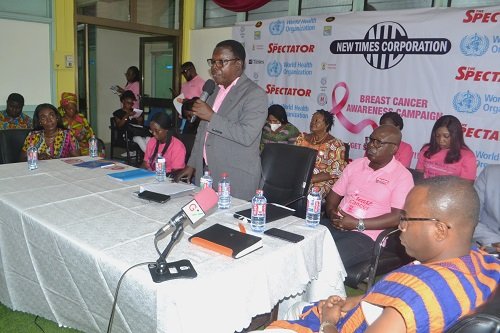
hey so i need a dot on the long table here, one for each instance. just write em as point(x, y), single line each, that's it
point(67, 234)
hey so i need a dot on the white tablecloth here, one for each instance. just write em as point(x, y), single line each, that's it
point(67, 234)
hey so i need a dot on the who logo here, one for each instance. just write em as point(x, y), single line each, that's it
point(466, 101)
point(274, 68)
point(474, 45)
point(277, 27)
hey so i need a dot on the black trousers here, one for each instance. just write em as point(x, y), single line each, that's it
point(354, 247)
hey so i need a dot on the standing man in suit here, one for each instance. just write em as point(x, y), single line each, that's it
point(231, 124)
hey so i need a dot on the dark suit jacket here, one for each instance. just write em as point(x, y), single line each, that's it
point(233, 139)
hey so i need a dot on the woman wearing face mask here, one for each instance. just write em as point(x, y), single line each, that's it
point(447, 154)
point(277, 128)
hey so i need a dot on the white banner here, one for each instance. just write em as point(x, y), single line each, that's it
point(420, 63)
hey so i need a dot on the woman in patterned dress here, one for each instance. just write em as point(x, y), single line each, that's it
point(49, 135)
point(330, 161)
point(75, 121)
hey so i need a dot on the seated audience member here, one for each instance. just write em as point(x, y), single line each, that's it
point(487, 186)
point(126, 119)
point(75, 121)
point(13, 116)
point(49, 135)
point(447, 153)
point(163, 142)
point(450, 280)
point(405, 151)
point(368, 197)
point(330, 161)
point(277, 128)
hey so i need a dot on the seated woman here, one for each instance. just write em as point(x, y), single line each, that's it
point(330, 161)
point(49, 135)
point(127, 119)
point(405, 151)
point(277, 128)
point(163, 142)
point(447, 154)
point(75, 121)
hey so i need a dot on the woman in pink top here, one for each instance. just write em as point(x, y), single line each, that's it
point(405, 151)
point(165, 144)
point(447, 153)
point(133, 76)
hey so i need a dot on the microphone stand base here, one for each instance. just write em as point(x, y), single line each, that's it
point(163, 271)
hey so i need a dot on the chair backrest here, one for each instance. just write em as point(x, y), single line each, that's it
point(347, 146)
point(11, 144)
point(188, 141)
point(286, 174)
point(485, 319)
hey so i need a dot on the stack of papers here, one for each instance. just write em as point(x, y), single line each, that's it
point(172, 189)
point(131, 174)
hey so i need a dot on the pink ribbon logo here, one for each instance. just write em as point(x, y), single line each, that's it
point(337, 111)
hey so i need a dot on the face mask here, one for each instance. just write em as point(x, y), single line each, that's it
point(274, 127)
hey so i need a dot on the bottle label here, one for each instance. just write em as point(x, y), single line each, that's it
point(204, 183)
point(224, 189)
point(314, 205)
point(258, 209)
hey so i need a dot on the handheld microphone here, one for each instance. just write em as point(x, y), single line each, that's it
point(208, 89)
point(194, 210)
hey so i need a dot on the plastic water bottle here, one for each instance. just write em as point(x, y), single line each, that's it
point(32, 155)
point(258, 216)
point(206, 180)
point(93, 150)
point(313, 213)
point(160, 168)
point(224, 192)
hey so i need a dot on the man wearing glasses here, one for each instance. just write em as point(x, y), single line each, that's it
point(231, 124)
point(368, 197)
point(450, 280)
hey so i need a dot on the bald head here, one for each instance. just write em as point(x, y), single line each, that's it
point(452, 199)
point(390, 133)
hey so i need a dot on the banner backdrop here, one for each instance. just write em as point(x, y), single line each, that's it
point(420, 63)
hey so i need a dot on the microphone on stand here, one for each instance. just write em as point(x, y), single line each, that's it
point(208, 89)
point(194, 210)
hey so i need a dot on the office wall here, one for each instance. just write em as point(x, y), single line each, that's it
point(25, 62)
point(115, 52)
point(202, 45)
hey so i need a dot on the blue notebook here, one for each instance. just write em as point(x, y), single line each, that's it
point(131, 174)
point(95, 164)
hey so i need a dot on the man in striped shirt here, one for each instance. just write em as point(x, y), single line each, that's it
point(450, 281)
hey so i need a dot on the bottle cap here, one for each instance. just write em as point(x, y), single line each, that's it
point(224, 174)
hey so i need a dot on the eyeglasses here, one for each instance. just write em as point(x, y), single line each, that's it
point(376, 142)
point(185, 70)
point(220, 63)
point(403, 221)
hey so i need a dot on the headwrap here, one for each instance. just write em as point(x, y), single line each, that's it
point(67, 98)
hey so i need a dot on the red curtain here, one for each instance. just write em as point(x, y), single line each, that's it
point(240, 5)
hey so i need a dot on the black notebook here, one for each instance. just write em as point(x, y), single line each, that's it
point(273, 212)
point(226, 241)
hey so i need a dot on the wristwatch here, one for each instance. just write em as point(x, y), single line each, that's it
point(323, 325)
point(361, 225)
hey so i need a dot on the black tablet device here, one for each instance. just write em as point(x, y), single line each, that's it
point(153, 196)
